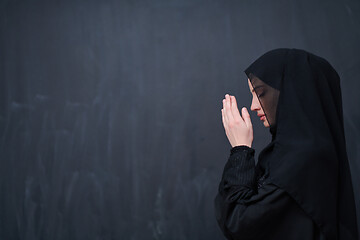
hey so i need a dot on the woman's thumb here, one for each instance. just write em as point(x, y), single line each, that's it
point(246, 116)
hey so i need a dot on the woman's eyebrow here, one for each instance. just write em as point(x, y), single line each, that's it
point(256, 87)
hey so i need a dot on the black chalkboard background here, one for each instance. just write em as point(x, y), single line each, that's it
point(110, 122)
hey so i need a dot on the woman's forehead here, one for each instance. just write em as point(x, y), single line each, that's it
point(250, 85)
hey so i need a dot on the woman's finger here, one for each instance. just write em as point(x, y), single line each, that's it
point(224, 113)
point(228, 112)
point(234, 108)
point(222, 117)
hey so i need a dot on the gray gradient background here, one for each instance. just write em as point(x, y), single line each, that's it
point(110, 122)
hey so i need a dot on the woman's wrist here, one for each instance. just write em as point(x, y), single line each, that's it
point(240, 148)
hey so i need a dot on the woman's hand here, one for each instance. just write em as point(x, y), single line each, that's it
point(238, 128)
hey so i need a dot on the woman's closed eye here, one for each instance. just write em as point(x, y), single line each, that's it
point(261, 94)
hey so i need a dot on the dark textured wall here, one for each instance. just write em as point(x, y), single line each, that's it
point(110, 122)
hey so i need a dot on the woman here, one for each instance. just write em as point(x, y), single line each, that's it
point(301, 186)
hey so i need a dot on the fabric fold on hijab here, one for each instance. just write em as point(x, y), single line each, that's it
point(301, 97)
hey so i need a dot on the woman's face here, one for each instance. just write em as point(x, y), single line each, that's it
point(255, 106)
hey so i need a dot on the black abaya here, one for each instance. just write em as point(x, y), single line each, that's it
point(306, 192)
point(250, 209)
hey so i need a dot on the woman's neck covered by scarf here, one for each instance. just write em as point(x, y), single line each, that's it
point(273, 131)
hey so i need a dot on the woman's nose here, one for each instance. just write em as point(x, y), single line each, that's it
point(255, 106)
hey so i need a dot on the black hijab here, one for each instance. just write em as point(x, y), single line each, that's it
point(301, 98)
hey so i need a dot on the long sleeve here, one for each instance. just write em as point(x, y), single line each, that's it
point(249, 209)
point(239, 179)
